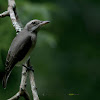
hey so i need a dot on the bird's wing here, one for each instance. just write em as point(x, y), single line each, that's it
point(19, 48)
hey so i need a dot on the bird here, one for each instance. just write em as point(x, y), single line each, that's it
point(21, 47)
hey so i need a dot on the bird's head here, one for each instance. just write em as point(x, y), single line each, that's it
point(34, 25)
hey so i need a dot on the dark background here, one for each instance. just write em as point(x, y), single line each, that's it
point(67, 55)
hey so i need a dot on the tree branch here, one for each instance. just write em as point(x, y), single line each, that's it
point(12, 10)
point(33, 86)
point(22, 91)
point(4, 14)
point(32, 83)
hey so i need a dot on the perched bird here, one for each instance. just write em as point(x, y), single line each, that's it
point(21, 47)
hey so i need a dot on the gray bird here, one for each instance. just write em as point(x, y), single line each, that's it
point(21, 47)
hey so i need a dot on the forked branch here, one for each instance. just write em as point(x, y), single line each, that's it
point(22, 91)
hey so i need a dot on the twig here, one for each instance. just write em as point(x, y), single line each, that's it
point(4, 14)
point(12, 13)
point(33, 86)
point(22, 91)
point(32, 83)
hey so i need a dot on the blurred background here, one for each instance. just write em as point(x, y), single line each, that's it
point(67, 55)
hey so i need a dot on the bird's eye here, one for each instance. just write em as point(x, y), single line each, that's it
point(33, 22)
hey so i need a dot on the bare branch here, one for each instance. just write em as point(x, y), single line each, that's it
point(19, 94)
point(33, 86)
point(32, 83)
point(23, 79)
point(4, 14)
point(22, 91)
point(15, 97)
point(12, 10)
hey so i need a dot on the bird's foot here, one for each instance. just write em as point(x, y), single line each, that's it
point(29, 68)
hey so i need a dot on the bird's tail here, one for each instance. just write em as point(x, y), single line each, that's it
point(8, 69)
point(5, 79)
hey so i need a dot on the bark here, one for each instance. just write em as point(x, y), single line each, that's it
point(12, 13)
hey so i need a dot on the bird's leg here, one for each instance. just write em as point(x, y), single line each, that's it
point(29, 67)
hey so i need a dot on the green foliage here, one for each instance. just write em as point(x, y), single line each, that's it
point(66, 58)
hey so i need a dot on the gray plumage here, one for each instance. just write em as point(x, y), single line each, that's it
point(21, 47)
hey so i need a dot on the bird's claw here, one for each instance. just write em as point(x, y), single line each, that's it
point(29, 68)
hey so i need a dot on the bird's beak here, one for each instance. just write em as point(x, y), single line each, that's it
point(44, 22)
